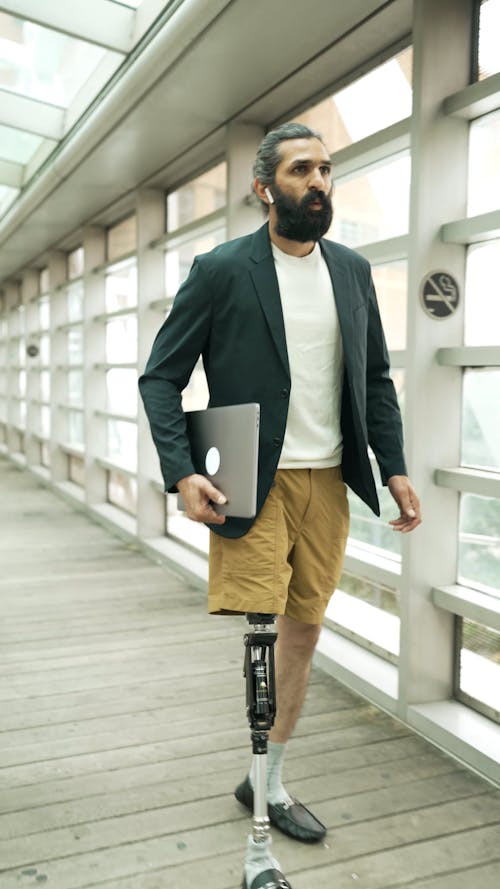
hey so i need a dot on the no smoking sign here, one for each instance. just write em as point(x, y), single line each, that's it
point(439, 295)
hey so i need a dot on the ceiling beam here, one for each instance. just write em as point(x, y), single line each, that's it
point(30, 115)
point(11, 174)
point(110, 25)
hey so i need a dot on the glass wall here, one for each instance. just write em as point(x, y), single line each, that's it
point(371, 203)
point(195, 225)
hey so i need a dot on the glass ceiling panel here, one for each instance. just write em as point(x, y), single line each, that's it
point(44, 64)
point(7, 196)
point(489, 29)
point(18, 146)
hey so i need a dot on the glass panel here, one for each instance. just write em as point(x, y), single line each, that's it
point(42, 63)
point(373, 206)
point(385, 598)
point(44, 313)
point(480, 664)
point(75, 263)
point(75, 345)
point(480, 421)
point(489, 29)
point(121, 340)
point(122, 238)
point(197, 198)
point(45, 385)
point(122, 491)
point(17, 145)
point(121, 287)
point(391, 284)
point(122, 390)
point(122, 443)
point(195, 395)
point(182, 528)
point(45, 421)
point(371, 103)
point(75, 387)
point(75, 427)
point(45, 350)
point(75, 301)
point(484, 168)
point(7, 197)
point(368, 613)
point(76, 470)
point(482, 306)
point(366, 528)
point(22, 383)
point(178, 261)
point(479, 543)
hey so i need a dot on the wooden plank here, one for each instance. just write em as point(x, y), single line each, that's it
point(340, 764)
point(349, 795)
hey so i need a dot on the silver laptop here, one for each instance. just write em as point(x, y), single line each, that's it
point(225, 448)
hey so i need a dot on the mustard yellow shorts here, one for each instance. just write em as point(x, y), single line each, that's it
point(290, 560)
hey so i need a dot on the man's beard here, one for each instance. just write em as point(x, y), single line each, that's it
point(296, 221)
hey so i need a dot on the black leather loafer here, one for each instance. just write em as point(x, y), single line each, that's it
point(294, 820)
point(268, 879)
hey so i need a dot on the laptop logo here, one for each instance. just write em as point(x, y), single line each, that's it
point(212, 461)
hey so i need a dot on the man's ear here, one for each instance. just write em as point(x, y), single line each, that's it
point(260, 191)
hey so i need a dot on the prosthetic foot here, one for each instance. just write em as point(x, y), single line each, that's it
point(261, 711)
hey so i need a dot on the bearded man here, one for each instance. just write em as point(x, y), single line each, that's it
point(287, 319)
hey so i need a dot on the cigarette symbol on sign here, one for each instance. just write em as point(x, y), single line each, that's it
point(440, 295)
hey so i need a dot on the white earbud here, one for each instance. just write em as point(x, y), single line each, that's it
point(269, 195)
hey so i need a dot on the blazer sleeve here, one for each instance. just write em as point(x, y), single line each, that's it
point(383, 416)
point(179, 343)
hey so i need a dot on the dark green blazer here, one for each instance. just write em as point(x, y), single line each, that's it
point(229, 311)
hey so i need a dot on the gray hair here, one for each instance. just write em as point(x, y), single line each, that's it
point(268, 154)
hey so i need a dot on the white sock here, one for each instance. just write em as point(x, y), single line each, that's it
point(276, 793)
point(259, 859)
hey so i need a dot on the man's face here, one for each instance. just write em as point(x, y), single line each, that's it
point(302, 190)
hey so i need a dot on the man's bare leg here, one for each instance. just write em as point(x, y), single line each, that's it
point(294, 651)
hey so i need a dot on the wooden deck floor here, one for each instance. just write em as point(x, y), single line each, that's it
point(123, 734)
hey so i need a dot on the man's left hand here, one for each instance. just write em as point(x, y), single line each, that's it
point(404, 494)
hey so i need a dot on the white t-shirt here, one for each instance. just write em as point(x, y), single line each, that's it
point(313, 437)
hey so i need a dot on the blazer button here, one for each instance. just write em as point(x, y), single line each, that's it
point(284, 393)
point(276, 441)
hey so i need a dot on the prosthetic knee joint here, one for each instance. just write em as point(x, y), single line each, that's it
point(261, 708)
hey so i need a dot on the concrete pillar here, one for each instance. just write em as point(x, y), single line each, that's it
point(151, 210)
point(243, 216)
point(94, 352)
point(29, 293)
point(442, 35)
point(58, 372)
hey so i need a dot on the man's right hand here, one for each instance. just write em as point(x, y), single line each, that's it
point(197, 492)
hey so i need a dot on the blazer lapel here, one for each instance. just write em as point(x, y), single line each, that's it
point(263, 274)
point(339, 274)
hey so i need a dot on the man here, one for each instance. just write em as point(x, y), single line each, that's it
point(290, 321)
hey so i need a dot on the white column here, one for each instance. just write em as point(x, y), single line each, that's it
point(242, 141)
point(11, 301)
point(150, 209)
point(441, 34)
point(94, 353)
point(29, 291)
point(58, 371)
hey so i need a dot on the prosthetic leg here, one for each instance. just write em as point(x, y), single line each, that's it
point(261, 711)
